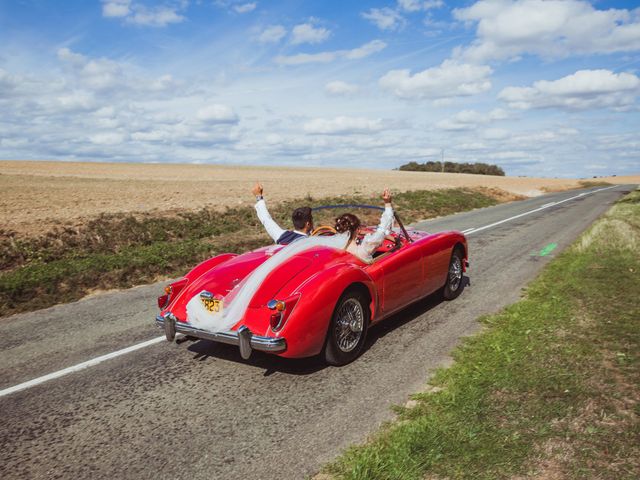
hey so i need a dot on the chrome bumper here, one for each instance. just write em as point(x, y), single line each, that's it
point(246, 340)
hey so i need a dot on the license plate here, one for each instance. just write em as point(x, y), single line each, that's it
point(213, 305)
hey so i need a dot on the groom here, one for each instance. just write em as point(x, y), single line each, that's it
point(301, 217)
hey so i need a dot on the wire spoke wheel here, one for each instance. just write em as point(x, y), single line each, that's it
point(349, 324)
point(347, 332)
point(455, 273)
point(454, 286)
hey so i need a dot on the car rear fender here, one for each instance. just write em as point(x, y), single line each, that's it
point(307, 326)
point(196, 273)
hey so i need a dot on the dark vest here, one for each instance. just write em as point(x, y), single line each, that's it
point(288, 237)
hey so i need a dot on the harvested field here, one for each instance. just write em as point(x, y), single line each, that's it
point(40, 195)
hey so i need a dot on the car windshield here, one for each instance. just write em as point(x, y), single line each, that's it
point(369, 215)
point(326, 215)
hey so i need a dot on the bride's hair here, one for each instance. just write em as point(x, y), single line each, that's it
point(348, 223)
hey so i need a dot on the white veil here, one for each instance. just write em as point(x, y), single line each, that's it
point(236, 301)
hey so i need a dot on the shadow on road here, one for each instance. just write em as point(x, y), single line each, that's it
point(205, 349)
point(407, 315)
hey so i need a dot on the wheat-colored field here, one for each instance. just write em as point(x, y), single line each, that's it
point(38, 195)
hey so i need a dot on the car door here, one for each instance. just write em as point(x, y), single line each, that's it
point(402, 277)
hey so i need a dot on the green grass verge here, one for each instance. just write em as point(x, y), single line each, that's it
point(117, 251)
point(549, 389)
point(593, 183)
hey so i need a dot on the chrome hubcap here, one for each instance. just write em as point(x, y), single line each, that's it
point(455, 273)
point(349, 324)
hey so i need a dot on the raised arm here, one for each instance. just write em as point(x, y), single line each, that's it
point(373, 240)
point(273, 229)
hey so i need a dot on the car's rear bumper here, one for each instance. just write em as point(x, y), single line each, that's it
point(243, 337)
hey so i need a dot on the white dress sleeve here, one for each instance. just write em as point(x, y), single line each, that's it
point(373, 240)
point(273, 229)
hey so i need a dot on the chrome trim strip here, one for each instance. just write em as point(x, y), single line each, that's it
point(263, 344)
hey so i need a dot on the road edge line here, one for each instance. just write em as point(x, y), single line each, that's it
point(78, 367)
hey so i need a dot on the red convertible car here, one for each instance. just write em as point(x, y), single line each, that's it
point(320, 300)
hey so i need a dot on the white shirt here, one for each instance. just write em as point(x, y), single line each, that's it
point(372, 241)
point(274, 230)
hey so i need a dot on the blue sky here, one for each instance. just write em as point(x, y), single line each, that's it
point(539, 87)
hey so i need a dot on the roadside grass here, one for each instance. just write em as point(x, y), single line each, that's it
point(119, 251)
point(549, 389)
point(593, 183)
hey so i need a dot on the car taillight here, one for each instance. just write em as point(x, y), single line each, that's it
point(276, 321)
point(163, 300)
point(282, 309)
point(278, 305)
point(170, 291)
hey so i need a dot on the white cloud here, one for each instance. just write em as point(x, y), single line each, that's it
point(116, 8)
point(338, 87)
point(157, 16)
point(216, 114)
point(164, 82)
point(307, 33)
point(103, 74)
point(67, 55)
point(152, 136)
point(392, 19)
point(14, 142)
point(72, 101)
point(419, 5)
point(325, 57)
point(7, 82)
point(585, 89)
point(105, 112)
point(245, 7)
point(302, 58)
point(343, 125)
point(272, 34)
point(450, 79)
point(96, 74)
point(548, 28)
point(495, 134)
point(384, 18)
point(470, 119)
point(108, 138)
point(365, 50)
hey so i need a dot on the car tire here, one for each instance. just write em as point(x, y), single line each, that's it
point(348, 328)
point(454, 284)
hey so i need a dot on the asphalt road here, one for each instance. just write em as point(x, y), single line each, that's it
point(196, 410)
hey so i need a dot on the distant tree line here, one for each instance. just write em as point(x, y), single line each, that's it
point(452, 167)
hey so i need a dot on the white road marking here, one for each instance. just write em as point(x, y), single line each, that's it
point(80, 366)
point(549, 204)
point(495, 224)
point(133, 348)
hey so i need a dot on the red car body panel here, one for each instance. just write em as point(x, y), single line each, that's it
point(312, 282)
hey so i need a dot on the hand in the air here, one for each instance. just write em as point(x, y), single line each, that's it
point(386, 196)
point(257, 189)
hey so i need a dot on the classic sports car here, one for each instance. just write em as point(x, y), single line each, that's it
point(320, 300)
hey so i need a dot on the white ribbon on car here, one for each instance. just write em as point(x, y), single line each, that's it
point(235, 303)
